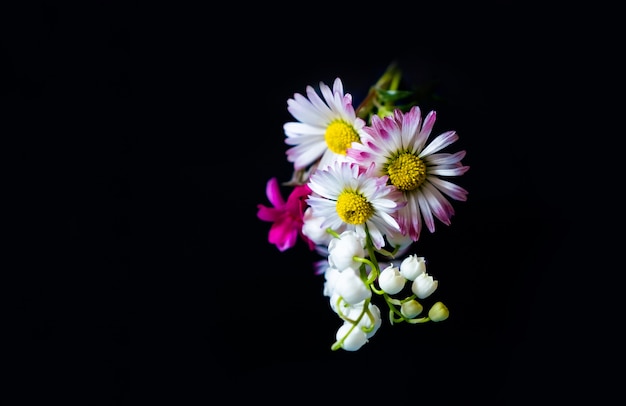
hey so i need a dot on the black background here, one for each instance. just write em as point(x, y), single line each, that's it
point(147, 135)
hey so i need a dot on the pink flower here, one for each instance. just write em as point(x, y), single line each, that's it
point(286, 216)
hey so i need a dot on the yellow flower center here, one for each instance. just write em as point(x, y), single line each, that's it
point(353, 207)
point(406, 171)
point(339, 136)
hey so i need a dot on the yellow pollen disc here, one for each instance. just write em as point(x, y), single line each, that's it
point(406, 171)
point(353, 208)
point(339, 136)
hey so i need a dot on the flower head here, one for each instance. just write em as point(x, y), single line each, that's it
point(397, 146)
point(345, 195)
point(424, 285)
point(312, 229)
point(325, 128)
point(412, 266)
point(391, 280)
point(350, 337)
point(370, 321)
point(351, 288)
point(287, 217)
point(343, 249)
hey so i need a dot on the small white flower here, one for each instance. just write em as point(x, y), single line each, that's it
point(330, 277)
point(312, 228)
point(342, 250)
point(412, 267)
point(424, 285)
point(354, 336)
point(335, 301)
point(353, 312)
point(351, 288)
point(390, 280)
point(399, 241)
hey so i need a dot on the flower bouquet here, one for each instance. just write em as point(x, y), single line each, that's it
point(366, 181)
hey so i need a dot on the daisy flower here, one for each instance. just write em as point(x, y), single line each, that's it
point(325, 129)
point(346, 195)
point(397, 146)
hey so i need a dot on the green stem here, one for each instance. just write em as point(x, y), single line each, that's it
point(373, 274)
point(390, 79)
point(332, 232)
point(366, 303)
point(420, 320)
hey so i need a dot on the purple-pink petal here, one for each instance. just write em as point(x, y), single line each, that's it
point(272, 190)
point(267, 213)
point(283, 235)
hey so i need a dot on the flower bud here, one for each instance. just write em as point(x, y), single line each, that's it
point(353, 339)
point(341, 250)
point(411, 308)
point(424, 285)
point(412, 267)
point(390, 280)
point(350, 286)
point(439, 312)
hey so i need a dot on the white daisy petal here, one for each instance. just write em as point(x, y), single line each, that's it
point(439, 143)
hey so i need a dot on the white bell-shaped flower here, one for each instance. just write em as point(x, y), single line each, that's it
point(400, 241)
point(371, 321)
point(411, 309)
point(342, 250)
point(354, 337)
point(424, 285)
point(334, 302)
point(350, 286)
point(312, 228)
point(330, 276)
point(391, 280)
point(412, 266)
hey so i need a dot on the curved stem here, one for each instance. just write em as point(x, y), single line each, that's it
point(366, 303)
